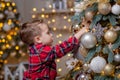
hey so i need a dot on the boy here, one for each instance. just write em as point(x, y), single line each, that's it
point(42, 55)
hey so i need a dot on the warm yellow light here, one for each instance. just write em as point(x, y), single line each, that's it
point(53, 10)
point(54, 28)
point(3, 5)
point(34, 9)
point(69, 20)
point(9, 22)
point(1, 25)
point(33, 16)
point(9, 37)
point(42, 15)
point(3, 47)
point(3, 40)
point(65, 17)
point(58, 60)
point(60, 42)
point(53, 20)
point(17, 47)
point(15, 33)
point(7, 46)
point(65, 27)
point(60, 35)
point(47, 16)
point(16, 28)
point(5, 61)
point(8, 4)
point(68, 55)
point(13, 4)
point(59, 69)
point(15, 11)
point(71, 9)
point(43, 9)
point(57, 36)
point(50, 6)
point(1, 52)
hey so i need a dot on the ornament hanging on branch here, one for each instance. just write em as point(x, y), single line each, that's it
point(110, 36)
point(97, 64)
point(116, 9)
point(88, 40)
point(104, 8)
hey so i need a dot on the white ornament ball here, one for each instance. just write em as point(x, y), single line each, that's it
point(97, 64)
point(88, 40)
point(78, 8)
point(116, 9)
point(6, 27)
point(1, 15)
point(117, 58)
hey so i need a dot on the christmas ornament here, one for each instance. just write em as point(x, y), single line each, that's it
point(97, 64)
point(117, 57)
point(104, 8)
point(82, 76)
point(116, 9)
point(110, 36)
point(1, 15)
point(71, 63)
point(109, 69)
point(6, 27)
point(78, 8)
point(88, 40)
point(86, 67)
point(75, 28)
point(81, 53)
point(89, 15)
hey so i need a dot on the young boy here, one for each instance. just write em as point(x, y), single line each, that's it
point(42, 55)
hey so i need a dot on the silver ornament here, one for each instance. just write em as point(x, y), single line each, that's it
point(88, 40)
point(117, 57)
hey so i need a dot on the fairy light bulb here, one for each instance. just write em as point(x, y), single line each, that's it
point(1, 52)
point(7, 46)
point(9, 37)
point(69, 20)
point(54, 28)
point(17, 47)
point(42, 15)
point(3, 5)
point(59, 69)
point(5, 61)
point(60, 35)
point(49, 22)
point(53, 10)
point(1, 25)
point(15, 11)
point(69, 55)
point(59, 42)
point(47, 16)
point(65, 17)
point(65, 27)
point(34, 9)
point(50, 6)
point(71, 9)
point(3, 40)
point(8, 4)
point(58, 60)
point(13, 4)
point(53, 20)
point(42, 9)
point(57, 36)
point(33, 16)
point(9, 22)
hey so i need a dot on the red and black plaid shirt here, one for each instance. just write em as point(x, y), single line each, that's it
point(42, 64)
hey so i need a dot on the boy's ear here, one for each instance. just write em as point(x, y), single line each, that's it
point(37, 39)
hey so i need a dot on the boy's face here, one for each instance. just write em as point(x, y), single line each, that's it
point(46, 36)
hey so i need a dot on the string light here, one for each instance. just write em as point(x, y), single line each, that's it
point(58, 60)
point(34, 9)
point(42, 9)
point(33, 16)
point(59, 70)
point(54, 28)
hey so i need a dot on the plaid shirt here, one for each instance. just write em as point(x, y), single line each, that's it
point(42, 64)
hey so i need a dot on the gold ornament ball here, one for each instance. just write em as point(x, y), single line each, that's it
point(104, 8)
point(110, 36)
point(109, 69)
point(89, 15)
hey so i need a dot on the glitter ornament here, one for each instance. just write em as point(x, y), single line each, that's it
point(97, 64)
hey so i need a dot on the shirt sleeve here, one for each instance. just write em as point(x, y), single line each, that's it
point(57, 51)
point(65, 47)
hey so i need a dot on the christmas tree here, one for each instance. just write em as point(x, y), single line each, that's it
point(98, 55)
point(10, 43)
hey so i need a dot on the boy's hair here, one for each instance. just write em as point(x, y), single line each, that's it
point(29, 30)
